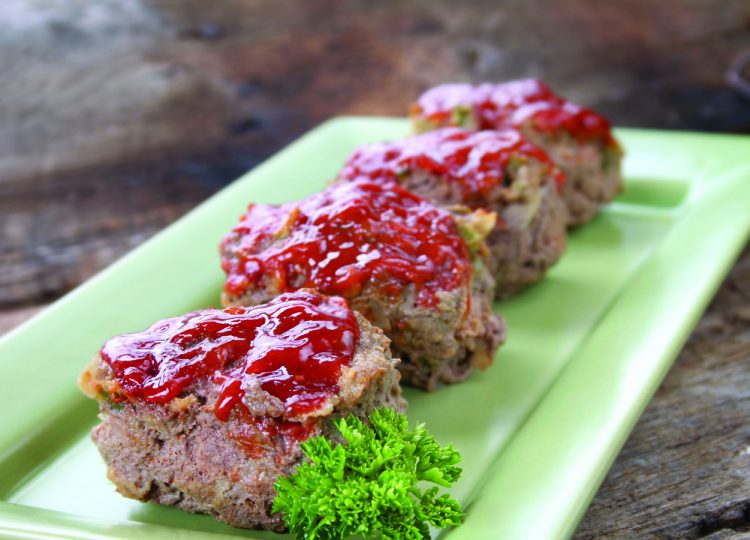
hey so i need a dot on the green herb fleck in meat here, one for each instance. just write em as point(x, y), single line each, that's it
point(460, 116)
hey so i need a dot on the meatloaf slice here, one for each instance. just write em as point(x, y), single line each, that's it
point(400, 261)
point(205, 411)
point(577, 138)
point(498, 171)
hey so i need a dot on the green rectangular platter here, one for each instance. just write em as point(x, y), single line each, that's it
point(586, 348)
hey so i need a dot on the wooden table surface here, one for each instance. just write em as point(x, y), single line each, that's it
point(118, 117)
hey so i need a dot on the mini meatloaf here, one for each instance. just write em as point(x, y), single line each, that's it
point(499, 171)
point(205, 411)
point(578, 139)
point(402, 262)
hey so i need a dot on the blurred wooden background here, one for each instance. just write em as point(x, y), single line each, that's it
point(118, 117)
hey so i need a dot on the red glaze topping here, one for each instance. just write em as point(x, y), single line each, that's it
point(345, 238)
point(260, 436)
point(294, 347)
point(477, 161)
point(515, 104)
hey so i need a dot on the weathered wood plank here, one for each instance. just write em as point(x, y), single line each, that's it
point(685, 471)
point(9, 319)
point(117, 117)
point(62, 230)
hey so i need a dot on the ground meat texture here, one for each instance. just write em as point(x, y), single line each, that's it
point(578, 139)
point(170, 445)
point(402, 262)
point(497, 170)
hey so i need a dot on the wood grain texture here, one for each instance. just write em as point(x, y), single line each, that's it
point(685, 470)
point(11, 318)
point(118, 117)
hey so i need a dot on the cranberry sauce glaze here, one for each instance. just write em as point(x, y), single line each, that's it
point(476, 161)
point(515, 104)
point(294, 346)
point(347, 238)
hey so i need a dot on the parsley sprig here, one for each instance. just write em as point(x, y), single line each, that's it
point(369, 485)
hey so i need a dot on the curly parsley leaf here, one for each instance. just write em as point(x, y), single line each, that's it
point(368, 486)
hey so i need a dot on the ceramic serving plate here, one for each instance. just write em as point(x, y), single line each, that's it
point(586, 347)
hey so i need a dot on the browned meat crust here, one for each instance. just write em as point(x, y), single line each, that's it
point(592, 166)
point(592, 172)
point(438, 344)
point(180, 454)
point(530, 234)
